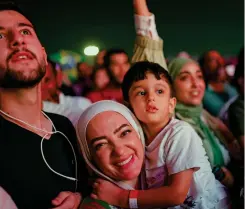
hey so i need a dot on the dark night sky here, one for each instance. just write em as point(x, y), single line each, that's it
point(191, 25)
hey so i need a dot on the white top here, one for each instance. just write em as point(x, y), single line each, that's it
point(5, 200)
point(146, 26)
point(177, 148)
point(69, 106)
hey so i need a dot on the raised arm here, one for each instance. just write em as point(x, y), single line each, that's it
point(140, 8)
point(148, 45)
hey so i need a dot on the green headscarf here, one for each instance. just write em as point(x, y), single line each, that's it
point(192, 115)
point(176, 65)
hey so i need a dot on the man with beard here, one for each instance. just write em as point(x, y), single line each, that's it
point(38, 151)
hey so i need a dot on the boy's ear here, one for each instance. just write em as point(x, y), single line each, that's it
point(172, 104)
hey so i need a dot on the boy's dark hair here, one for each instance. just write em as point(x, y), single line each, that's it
point(10, 5)
point(138, 72)
point(111, 52)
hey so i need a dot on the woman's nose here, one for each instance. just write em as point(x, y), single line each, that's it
point(119, 150)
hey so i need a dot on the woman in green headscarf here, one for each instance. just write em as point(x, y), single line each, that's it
point(189, 89)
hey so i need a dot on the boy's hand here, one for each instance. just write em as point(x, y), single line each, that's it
point(110, 193)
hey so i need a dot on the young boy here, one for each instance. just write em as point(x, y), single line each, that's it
point(177, 173)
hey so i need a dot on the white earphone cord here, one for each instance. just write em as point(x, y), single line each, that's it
point(49, 133)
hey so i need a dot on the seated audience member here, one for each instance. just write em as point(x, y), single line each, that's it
point(189, 89)
point(236, 109)
point(83, 84)
point(100, 79)
point(38, 151)
point(218, 90)
point(66, 84)
point(55, 101)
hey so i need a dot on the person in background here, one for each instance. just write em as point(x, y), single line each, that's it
point(38, 150)
point(218, 90)
point(236, 109)
point(99, 61)
point(83, 84)
point(100, 80)
point(236, 124)
point(66, 84)
point(189, 89)
point(55, 101)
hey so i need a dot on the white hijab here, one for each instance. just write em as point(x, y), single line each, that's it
point(88, 115)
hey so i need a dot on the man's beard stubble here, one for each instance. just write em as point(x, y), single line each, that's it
point(12, 79)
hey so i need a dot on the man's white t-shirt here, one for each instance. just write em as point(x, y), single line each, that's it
point(177, 148)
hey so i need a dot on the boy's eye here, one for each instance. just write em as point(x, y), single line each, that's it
point(141, 93)
point(159, 91)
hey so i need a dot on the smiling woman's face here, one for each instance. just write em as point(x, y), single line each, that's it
point(115, 146)
point(189, 85)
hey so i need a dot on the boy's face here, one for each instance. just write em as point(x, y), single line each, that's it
point(151, 100)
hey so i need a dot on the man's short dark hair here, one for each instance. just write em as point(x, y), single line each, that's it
point(111, 52)
point(9, 5)
point(138, 72)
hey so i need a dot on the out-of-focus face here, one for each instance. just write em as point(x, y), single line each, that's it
point(189, 85)
point(49, 86)
point(213, 61)
point(101, 78)
point(151, 100)
point(119, 65)
point(23, 59)
point(84, 70)
point(115, 146)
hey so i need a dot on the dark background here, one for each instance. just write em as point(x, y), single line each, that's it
point(191, 25)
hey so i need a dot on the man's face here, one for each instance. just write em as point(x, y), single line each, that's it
point(119, 65)
point(84, 70)
point(23, 59)
point(50, 87)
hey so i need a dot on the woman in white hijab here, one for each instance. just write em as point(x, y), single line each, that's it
point(112, 143)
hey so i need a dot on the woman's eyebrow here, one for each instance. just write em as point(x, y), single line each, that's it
point(97, 139)
point(120, 127)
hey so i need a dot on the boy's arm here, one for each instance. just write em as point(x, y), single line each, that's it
point(165, 196)
point(148, 45)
